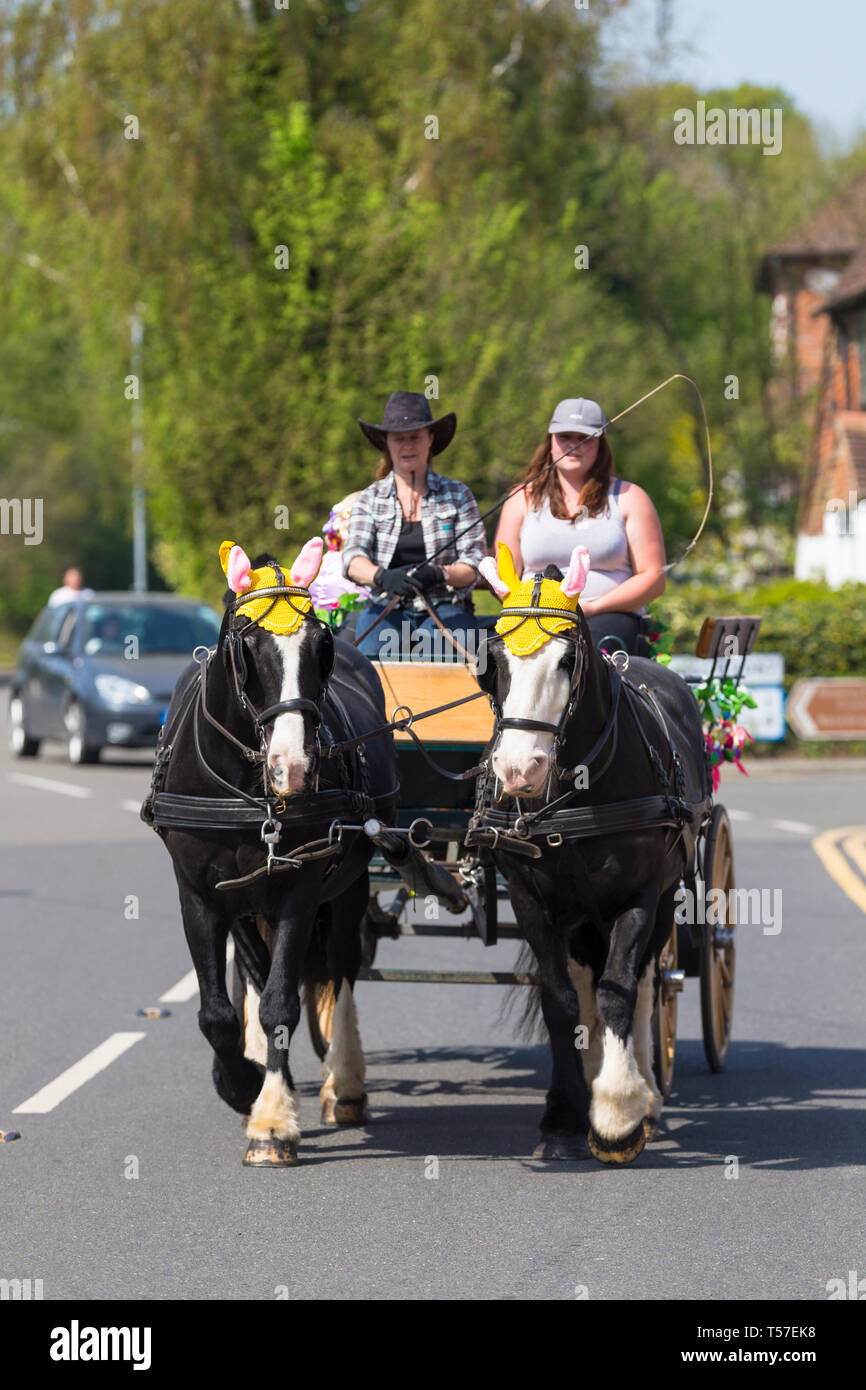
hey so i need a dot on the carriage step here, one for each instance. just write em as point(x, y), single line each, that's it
point(445, 977)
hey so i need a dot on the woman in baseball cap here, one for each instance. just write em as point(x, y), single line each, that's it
point(578, 501)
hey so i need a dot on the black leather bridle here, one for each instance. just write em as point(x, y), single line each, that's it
point(557, 821)
point(534, 610)
point(234, 654)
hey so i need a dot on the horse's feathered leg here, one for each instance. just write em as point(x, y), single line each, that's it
point(620, 1097)
point(566, 1113)
point(273, 1128)
point(237, 1080)
point(344, 1100)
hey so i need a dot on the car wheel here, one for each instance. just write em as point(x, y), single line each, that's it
point(21, 745)
point(78, 750)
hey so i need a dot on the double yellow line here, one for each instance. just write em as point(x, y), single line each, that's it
point(832, 847)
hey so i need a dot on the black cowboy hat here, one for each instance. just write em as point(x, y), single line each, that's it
point(410, 410)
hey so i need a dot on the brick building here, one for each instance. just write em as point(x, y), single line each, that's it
point(817, 280)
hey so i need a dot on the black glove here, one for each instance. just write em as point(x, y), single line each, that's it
point(394, 583)
point(428, 576)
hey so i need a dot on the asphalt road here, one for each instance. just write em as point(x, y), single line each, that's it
point(448, 1079)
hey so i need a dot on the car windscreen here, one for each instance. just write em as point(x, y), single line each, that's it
point(130, 629)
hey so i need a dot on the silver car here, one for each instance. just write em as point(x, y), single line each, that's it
point(100, 670)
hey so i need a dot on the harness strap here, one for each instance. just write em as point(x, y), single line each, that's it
point(173, 811)
point(503, 830)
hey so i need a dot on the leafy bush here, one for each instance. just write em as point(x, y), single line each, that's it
point(819, 631)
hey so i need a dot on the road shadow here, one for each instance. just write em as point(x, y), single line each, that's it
point(774, 1107)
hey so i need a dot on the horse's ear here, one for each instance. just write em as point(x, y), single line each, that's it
point(236, 567)
point(578, 569)
point(487, 569)
point(308, 563)
point(507, 573)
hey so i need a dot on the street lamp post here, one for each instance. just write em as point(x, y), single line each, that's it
point(139, 509)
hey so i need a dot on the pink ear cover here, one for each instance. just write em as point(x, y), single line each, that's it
point(308, 563)
point(578, 569)
point(238, 570)
point(488, 570)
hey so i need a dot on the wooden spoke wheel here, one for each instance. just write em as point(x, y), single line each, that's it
point(320, 1017)
point(718, 952)
point(665, 1016)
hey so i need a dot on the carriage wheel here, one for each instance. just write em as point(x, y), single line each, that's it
point(718, 952)
point(320, 1017)
point(665, 1016)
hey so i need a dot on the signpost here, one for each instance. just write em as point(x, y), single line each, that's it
point(828, 708)
point(764, 674)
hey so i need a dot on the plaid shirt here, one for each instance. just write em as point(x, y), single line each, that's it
point(447, 507)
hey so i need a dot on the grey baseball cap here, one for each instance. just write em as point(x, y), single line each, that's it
point(578, 417)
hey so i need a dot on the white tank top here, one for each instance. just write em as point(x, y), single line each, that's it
point(547, 540)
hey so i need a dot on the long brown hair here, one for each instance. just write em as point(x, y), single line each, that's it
point(593, 494)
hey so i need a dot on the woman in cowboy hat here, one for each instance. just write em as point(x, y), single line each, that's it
point(577, 501)
point(413, 532)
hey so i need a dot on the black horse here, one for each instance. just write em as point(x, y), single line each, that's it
point(597, 789)
point(249, 805)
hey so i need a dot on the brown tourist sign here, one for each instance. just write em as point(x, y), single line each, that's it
point(828, 708)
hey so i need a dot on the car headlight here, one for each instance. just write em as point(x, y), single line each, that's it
point(115, 690)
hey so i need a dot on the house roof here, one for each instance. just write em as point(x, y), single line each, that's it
point(851, 287)
point(838, 228)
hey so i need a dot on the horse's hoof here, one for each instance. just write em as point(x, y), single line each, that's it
point(618, 1151)
point(271, 1153)
point(344, 1112)
point(562, 1146)
point(652, 1130)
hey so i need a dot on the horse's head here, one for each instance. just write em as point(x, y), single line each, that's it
point(532, 664)
point(279, 655)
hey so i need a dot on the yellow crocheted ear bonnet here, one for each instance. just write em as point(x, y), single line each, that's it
point(285, 615)
point(521, 634)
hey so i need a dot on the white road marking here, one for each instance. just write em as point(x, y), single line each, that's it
point(130, 806)
point(794, 827)
point(46, 784)
point(76, 1075)
point(187, 988)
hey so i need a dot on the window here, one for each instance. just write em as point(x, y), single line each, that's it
point(156, 628)
point(46, 625)
point(858, 334)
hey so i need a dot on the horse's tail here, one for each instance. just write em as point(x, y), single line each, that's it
point(521, 1007)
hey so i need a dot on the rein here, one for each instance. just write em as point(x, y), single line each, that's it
point(664, 569)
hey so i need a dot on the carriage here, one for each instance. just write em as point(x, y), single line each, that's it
point(480, 796)
point(435, 810)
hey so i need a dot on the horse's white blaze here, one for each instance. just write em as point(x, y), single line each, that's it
point(643, 1039)
point(538, 690)
point(274, 1111)
point(619, 1092)
point(590, 1056)
point(344, 1067)
point(287, 763)
point(255, 1042)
